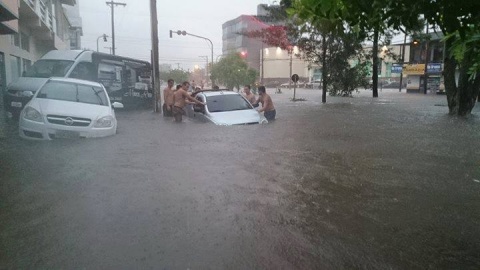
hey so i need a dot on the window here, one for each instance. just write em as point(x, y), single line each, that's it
point(83, 71)
point(49, 68)
point(224, 103)
point(81, 93)
point(16, 40)
point(15, 66)
point(25, 42)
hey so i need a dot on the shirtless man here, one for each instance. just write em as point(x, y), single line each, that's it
point(248, 94)
point(168, 99)
point(267, 105)
point(179, 100)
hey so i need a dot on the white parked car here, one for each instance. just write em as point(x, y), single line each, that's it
point(68, 108)
point(223, 107)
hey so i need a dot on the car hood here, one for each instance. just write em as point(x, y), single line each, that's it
point(27, 84)
point(235, 117)
point(67, 108)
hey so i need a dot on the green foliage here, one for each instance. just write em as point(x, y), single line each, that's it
point(232, 71)
point(178, 75)
point(345, 62)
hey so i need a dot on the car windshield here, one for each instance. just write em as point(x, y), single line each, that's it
point(49, 68)
point(225, 103)
point(74, 92)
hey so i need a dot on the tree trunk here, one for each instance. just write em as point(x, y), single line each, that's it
point(375, 63)
point(324, 69)
point(449, 79)
point(467, 89)
point(462, 98)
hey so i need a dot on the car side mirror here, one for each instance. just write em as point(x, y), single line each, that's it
point(199, 108)
point(117, 105)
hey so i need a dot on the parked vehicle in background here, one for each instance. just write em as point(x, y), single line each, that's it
point(223, 107)
point(313, 85)
point(126, 80)
point(68, 108)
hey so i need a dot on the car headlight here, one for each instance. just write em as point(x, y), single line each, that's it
point(104, 122)
point(32, 114)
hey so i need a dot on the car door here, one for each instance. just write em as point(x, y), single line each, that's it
point(199, 110)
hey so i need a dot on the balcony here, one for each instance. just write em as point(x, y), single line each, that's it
point(8, 11)
point(36, 15)
point(69, 2)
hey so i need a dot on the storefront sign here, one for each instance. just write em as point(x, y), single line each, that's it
point(396, 68)
point(434, 68)
point(415, 69)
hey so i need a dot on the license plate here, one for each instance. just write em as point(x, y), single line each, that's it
point(16, 104)
point(66, 134)
point(115, 98)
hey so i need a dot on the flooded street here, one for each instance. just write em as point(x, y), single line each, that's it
point(357, 183)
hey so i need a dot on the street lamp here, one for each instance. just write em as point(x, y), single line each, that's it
point(184, 33)
point(104, 39)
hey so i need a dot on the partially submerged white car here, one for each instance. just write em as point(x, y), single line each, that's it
point(68, 108)
point(223, 107)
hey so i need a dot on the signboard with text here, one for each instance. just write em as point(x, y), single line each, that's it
point(396, 68)
point(414, 69)
point(434, 68)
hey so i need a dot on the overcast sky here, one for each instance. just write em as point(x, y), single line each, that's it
point(132, 27)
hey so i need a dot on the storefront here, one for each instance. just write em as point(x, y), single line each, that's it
point(415, 77)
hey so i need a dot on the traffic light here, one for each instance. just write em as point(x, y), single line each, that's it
point(105, 37)
point(243, 54)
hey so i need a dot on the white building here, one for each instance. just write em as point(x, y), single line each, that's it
point(31, 28)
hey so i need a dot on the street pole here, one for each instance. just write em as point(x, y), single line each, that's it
point(290, 51)
point(112, 6)
point(185, 33)
point(403, 61)
point(425, 75)
point(157, 98)
point(104, 39)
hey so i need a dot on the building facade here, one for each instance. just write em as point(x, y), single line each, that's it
point(31, 28)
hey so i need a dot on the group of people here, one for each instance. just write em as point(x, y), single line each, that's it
point(176, 98)
point(267, 104)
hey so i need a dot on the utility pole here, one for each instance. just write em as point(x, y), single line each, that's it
point(157, 97)
point(112, 6)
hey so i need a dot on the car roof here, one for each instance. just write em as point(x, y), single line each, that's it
point(76, 81)
point(212, 92)
point(62, 55)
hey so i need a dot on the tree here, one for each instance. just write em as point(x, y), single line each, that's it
point(232, 71)
point(364, 17)
point(459, 22)
point(178, 75)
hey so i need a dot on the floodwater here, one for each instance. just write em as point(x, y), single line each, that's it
point(357, 183)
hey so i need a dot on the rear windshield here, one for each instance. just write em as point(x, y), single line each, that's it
point(49, 68)
point(225, 103)
point(74, 92)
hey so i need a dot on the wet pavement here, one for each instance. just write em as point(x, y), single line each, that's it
point(357, 183)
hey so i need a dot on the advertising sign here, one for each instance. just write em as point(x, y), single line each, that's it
point(434, 68)
point(396, 68)
point(414, 69)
